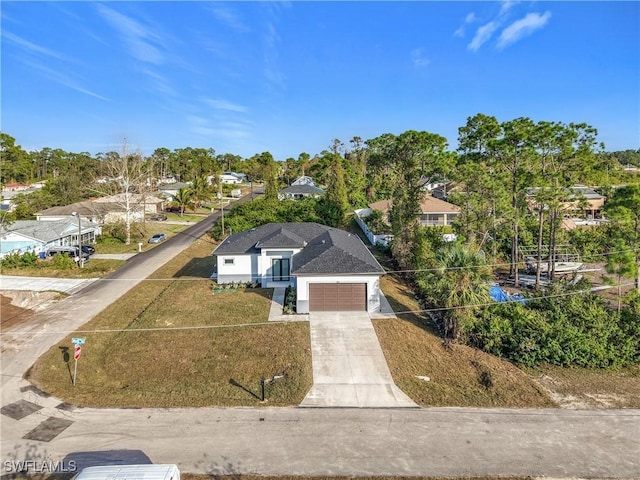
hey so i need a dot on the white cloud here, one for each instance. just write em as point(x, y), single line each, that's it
point(506, 6)
point(483, 34)
point(418, 59)
point(228, 17)
point(224, 105)
point(139, 39)
point(32, 47)
point(470, 18)
point(522, 28)
point(63, 79)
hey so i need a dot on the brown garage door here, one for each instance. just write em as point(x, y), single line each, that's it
point(337, 297)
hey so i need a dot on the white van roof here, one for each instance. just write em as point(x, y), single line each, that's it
point(130, 472)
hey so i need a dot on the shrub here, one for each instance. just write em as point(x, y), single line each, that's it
point(568, 330)
point(15, 260)
point(290, 300)
point(63, 262)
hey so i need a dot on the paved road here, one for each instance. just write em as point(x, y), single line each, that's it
point(297, 441)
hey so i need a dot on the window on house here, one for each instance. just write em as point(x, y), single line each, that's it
point(228, 261)
point(280, 269)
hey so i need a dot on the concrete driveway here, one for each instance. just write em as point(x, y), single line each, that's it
point(349, 368)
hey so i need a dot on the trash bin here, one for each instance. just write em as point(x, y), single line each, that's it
point(139, 246)
point(42, 255)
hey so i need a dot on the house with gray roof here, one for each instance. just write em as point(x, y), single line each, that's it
point(35, 236)
point(302, 187)
point(331, 269)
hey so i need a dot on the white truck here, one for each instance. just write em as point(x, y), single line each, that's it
point(130, 472)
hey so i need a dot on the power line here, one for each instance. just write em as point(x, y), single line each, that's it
point(280, 322)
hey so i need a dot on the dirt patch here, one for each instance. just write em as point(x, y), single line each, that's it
point(581, 388)
point(18, 307)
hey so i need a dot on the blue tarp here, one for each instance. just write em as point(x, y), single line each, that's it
point(500, 295)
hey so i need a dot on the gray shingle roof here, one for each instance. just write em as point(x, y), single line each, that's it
point(48, 231)
point(325, 250)
point(302, 190)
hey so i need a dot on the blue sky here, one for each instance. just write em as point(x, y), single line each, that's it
point(289, 77)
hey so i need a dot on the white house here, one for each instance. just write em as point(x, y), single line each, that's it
point(232, 178)
point(331, 269)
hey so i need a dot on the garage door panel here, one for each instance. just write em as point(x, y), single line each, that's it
point(337, 297)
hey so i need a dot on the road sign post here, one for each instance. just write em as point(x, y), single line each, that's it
point(76, 355)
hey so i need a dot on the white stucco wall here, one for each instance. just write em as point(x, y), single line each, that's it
point(240, 271)
point(372, 281)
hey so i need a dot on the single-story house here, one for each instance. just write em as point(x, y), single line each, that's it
point(302, 187)
point(149, 203)
point(170, 190)
point(232, 177)
point(298, 192)
point(331, 269)
point(103, 210)
point(433, 211)
point(24, 236)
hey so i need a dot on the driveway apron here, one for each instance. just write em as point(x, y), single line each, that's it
point(349, 368)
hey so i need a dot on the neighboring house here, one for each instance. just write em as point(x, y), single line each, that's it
point(331, 269)
point(12, 190)
point(15, 187)
point(110, 209)
point(302, 187)
point(24, 236)
point(433, 211)
point(232, 177)
point(298, 192)
point(170, 190)
point(149, 203)
point(303, 180)
point(579, 203)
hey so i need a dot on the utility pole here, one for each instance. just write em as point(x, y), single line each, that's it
point(221, 207)
point(80, 257)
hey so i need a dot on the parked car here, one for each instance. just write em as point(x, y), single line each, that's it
point(172, 208)
point(158, 217)
point(88, 249)
point(157, 238)
point(70, 251)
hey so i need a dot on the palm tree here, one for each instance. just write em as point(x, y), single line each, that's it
point(201, 190)
point(459, 283)
point(184, 198)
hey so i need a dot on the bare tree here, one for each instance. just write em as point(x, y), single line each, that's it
point(128, 182)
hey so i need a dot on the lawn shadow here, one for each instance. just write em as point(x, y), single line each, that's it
point(236, 384)
point(197, 267)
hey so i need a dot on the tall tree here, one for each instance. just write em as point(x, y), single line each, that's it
point(15, 164)
point(335, 203)
point(128, 182)
point(623, 210)
point(408, 158)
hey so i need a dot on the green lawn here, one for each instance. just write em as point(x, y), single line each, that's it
point(113, 245)
point(179, 344)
